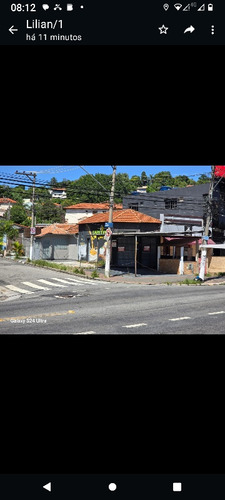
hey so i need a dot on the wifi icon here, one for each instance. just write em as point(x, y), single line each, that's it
point(178, 6)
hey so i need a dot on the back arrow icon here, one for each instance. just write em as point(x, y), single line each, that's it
point(190, 28)
point(12, 29)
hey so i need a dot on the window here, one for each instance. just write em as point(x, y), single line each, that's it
point(134, 206)
point(62, 247)
point(171, 203)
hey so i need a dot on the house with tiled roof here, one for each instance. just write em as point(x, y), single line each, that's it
point(57, 242)
point(5, 204)
point(58, 193)
point(80, 211)
point(131, 230)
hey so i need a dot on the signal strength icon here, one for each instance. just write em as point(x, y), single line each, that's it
point(188, 7)
point(202, 7)
point(178, 6)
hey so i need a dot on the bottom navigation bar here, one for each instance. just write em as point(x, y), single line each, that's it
point(113, 486)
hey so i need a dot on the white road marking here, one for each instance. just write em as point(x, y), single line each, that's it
point(218, 312)
point(83, 280)
point(89, 281)
point(35, 286)
point(83, 333)
point(65, 281)
point(178, 319)
point(17, 289)
point(135, 326)
point(52, 284)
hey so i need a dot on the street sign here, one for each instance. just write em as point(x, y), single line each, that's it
point(33, 230)
point(108, 224)
point(107, 234)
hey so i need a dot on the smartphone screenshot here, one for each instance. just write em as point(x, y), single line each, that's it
point(88, 22)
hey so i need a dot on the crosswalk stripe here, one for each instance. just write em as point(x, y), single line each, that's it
point(92, 282)
point(65, 281)
point(35, 286)
point(17, 289)
point(52, 284)
point(84, 281)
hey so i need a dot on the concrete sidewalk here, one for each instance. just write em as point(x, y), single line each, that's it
point(153, 278)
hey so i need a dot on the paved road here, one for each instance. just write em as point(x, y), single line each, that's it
point(78, 306)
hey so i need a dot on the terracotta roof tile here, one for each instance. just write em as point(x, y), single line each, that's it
point(59, 229)
point(7, 200)
point(94, 206)
point(127, 215)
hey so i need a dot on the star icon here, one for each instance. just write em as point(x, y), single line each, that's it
point(163, 30)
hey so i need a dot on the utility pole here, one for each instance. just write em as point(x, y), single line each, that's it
point(32, 229)
point(111, 203)
point(205, 237)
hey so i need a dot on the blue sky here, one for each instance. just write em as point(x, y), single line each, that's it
point(74, 172)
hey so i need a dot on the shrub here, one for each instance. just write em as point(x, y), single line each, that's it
point(94, 274)
point(75, 270)
point(81, 271)
point(190, 282)
point(18, 249)
point(101, 263)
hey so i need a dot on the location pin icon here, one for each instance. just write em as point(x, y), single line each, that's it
point(166, 6)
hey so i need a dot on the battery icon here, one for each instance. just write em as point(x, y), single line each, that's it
point(69, 6)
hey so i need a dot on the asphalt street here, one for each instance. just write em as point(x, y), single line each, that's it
point(41, 301)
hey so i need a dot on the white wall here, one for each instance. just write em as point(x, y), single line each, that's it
point(4, 207)
point(73, 215)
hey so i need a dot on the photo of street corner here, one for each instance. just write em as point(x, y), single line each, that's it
point(112, 249)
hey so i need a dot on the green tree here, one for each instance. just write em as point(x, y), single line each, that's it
point(42, 194)
point(135, 182)
point(53, 182)
point(18, 193)
point(47, 212)
point(64, 183)
point(160, 179)
point(86, 189)
point(123, 186)
point(144, 179)
point(5, 192)
point(19, 215)
point(6, 227)
point(182, 181)
point(203, 178)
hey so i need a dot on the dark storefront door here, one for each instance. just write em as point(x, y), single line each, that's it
point(147, 253)
point(123, 252)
